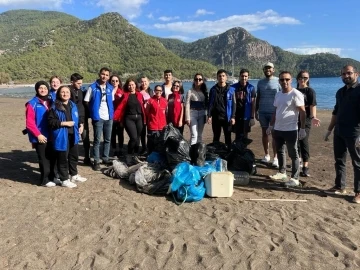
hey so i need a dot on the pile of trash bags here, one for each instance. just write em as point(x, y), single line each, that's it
point(174, 166)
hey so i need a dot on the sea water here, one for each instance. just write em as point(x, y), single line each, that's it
point(325, 89)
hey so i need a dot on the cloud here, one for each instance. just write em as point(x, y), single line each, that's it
point(183, 38)
point(34, 3)
point(166, 19)
point(201, 12)
point(251, 22)
point(313, 50)
point(150, 16)
point(128, 8)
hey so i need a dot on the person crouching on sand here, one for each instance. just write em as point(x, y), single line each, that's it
point(37, 110)
point(63, 120)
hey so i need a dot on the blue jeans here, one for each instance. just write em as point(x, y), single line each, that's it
point(102, 127)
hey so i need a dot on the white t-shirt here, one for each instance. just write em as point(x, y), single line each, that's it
point(103, 110)
point(167, 91)
point(287, 111)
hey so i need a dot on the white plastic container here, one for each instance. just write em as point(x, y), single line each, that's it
point(219, 184)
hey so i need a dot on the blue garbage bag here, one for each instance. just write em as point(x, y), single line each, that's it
point(186, 183)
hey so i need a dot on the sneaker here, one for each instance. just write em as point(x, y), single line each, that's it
point(68, 183)
point(87, 161)
point(50, 184)
point(279, 176)
point(77, 178)
point(266, 159)
point(129, 160)
point(356, 198)
point(305, 172)
point(143, 152)
point(336, 190)
point(275, 163)
point(96, 166)
point(292, 182)
point(57, 181)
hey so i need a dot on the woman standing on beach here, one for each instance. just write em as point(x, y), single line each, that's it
point(175, 113)
point(195, 108)
point(147, 93)
point(64, 122)
point(37, 110)
point(117, 130)
point(303, 85)
point(55, 83)
point(155, 115)
point(131, 114)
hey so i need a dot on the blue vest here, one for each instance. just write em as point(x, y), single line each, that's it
point(52, 95)
point(248, 102)
point(40, 119)
point(94, 103)
point(60, 135)
point(229, 100)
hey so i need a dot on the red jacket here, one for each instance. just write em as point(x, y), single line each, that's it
point(117, 97)
point(120, 109)
point(156, 113)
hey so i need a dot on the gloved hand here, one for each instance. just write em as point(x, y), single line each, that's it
point(357, 142)
point(269, 130)
point(302, 133)
point(252, 122)
point(326, 135)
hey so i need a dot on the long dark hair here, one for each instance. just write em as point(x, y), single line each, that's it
point(300, 74)
point(126, 85)
point(116, 76)
point(203, 88)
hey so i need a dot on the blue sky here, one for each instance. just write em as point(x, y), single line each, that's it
point(303, 27)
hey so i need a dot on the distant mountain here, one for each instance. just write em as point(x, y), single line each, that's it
point(239, 48)
point(38, 44)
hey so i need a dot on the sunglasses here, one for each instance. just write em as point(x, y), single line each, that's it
point(158, 90)
point(198, 79)
point(285, 79)
point(176, 86)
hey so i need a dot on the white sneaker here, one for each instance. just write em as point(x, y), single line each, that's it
point(68, 183)
point(279, 176)
point(50, 184)
point(292, 183)
point(266, 159)
point(275, 163)
point(57, 181)
point(77, 178)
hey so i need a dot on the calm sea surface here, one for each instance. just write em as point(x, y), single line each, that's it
point(325, 90)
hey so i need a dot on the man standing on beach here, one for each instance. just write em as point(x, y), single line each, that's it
point(288, 103)
point(245, 105)
point(222, 108)
point(346, 120)
point(76, 81)
point(266, 91)
point(168, 83)
point(100, 101)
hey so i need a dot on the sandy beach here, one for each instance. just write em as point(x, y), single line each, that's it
point(107, 224)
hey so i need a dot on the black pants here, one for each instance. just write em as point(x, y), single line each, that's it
point(303, 145)
point(85, 138)
point(133, 126)
point(290, 140)
point(47, 160)
point(67, 160)
point(117, 132)
point(241, 128)
point(143, 138)
point(217, 124)
point(341, 146)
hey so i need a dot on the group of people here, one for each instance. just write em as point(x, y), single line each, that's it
point(60, 114)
